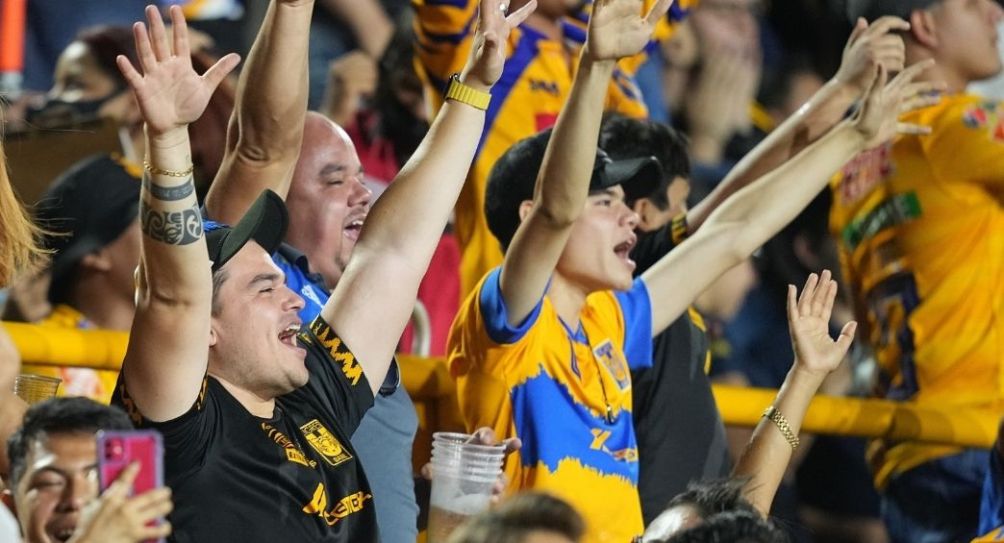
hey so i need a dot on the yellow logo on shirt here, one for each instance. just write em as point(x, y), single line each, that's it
point(353, 503)
point(325, 443)
point(614, 362)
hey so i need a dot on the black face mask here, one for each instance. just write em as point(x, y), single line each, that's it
point(55, 113)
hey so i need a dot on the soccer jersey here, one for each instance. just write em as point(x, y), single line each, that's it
point(294, 476)
point(920, 228)
point(992, 500)
point(94, 384)
point(565, 392)
point(527, 98)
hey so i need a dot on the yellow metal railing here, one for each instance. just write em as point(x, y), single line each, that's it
point(429, 383)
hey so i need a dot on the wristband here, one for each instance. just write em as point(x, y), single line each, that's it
point(464, 94)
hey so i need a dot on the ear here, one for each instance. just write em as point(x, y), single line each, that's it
point(923, 28)
point(524, 209)
point(644, 208)
point(213, 338)
point(97, 261)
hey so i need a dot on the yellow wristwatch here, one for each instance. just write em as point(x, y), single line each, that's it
point(459, 92)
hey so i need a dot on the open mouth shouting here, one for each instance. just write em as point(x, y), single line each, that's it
point(623, 251)
point(288, 337)
point(354, 225)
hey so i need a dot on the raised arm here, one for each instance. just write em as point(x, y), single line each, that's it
point(816, 355)
point(617, 29)
point(266, 128)
point(752, 215)
point(375, 296)
point(168, 347)
point(868, 47)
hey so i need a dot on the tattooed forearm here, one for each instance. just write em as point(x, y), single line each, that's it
point(172, 227)
point(168, 194)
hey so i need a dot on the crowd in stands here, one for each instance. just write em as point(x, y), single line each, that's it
point(589, 211)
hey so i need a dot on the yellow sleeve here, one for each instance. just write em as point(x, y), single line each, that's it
point(967, 142)
point(444, 30)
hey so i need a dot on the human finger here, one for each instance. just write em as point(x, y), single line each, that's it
point(158, 34)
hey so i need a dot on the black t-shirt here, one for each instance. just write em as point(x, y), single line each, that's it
point(680, 434)
point(294, 477)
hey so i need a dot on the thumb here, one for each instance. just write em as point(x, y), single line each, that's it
point(859, 27)
point(847, 336)
point(215, 74)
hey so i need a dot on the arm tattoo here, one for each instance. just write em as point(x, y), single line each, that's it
point(172, 227)
point(168, 194)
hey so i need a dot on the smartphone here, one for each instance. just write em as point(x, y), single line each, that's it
point(118, 449)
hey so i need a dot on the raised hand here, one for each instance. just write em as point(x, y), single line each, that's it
point(484, 67)
point(116, 517)
point(882, 105)
point(869, 47)
point(809, 324)
point(169, 92)
point(618, 29)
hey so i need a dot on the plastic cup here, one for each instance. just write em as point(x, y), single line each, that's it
point(463, 475)
point(35, 388)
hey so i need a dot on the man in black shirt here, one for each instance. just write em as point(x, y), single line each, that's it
point(256, 412)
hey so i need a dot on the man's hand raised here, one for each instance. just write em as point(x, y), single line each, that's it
point(618, 28)
point(484, 67)
point(169, 92)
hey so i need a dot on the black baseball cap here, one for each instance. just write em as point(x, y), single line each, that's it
point(514, 175)
point(86, 208)
point(873, 9)
point(265, 223)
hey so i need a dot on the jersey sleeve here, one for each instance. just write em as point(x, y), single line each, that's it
point(444, 30)
point(187, 438)
point(336, 376)
point(495, 315)
point(967, 143)
point(636, 307)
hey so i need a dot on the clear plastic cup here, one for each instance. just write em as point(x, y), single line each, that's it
point(463, 475)
point(35, 388)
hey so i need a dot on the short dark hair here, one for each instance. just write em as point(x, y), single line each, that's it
point(60, 416)
point(714, 496)
point(734, 527)
point(510, 182)
point(520, 516)
point(623, 137)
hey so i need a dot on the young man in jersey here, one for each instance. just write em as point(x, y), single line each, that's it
point(919, 225)
point(675, 450)
point(255, 412)
point(542, 54)
point(543, 348)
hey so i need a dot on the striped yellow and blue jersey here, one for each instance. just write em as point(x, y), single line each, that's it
point(565, 391)
point(527, 99)
point(920, 228)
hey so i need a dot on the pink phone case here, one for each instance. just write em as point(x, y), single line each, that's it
point(118, 449)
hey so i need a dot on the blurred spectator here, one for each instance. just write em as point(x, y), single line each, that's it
point(53, 469)
point(92, 214)
point(530, 517)
point(18, 236)
point(51, 25)
point(343, 26)
point(731, 526)
point(920, 226)
point(88, 84)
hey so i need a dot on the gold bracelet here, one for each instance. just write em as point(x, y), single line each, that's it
point(170, 173)
point(775, 416)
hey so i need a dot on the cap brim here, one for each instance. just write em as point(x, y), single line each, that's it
point(639, 177)
point(265, 223)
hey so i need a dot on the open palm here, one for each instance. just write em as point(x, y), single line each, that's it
point(809, 325)
point(169, 91)
point(488, 50)
point(618, 29)
point(883, 104)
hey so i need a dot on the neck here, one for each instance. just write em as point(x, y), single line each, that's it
point(940, 72)
point(568, 299)
point(545, 24)
point(255, 404)
point(103, 306)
